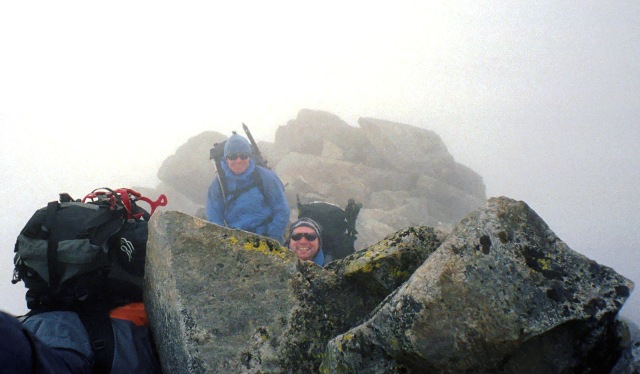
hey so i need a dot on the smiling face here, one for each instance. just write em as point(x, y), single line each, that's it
point(304, 248)
point(237, 164)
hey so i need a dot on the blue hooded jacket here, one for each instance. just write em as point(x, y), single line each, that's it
point(250, 210)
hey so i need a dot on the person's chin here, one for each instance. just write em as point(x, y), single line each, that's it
point(305, 255)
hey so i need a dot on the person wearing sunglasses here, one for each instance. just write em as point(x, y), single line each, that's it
point(305, 240)
point(248, 197)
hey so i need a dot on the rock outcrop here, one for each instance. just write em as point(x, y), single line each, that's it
point(500, 293)
point(403, 175)
point(189, 171)
point(223, 300)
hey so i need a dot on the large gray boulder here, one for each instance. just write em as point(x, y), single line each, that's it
point(311, 131)
point(222, 300)
point(189, 169)
point(417, 151)
point(317, 178)
point(386, 265)
point(501, 294)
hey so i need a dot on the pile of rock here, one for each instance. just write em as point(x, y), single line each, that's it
point(403, 175)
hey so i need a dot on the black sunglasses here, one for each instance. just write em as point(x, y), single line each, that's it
point(233, 156)
point(309, 237)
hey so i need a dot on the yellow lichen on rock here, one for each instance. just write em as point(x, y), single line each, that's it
point(397, 273)
point(263, 246)
point(344, 339)
point(544, 263)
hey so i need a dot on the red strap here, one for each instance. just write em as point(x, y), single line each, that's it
point(98, 192)
point(126, 202)
point(162, 201)
point(126, 196)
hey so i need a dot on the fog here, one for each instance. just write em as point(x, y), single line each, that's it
point(542, 99)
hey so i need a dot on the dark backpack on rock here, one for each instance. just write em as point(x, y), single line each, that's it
point(85, 256)
point(338, 226)
point(66, 250)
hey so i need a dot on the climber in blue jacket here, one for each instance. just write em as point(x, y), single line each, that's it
point(247, 197)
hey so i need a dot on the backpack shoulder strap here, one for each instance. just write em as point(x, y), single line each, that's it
point(52, 245)
point(257, 182)
point(96, 321)
point(257, 179)
point(222, 179)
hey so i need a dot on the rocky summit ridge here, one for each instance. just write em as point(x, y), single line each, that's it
point(500, 293)
point(445, 280)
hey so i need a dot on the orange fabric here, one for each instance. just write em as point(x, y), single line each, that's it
point(133, 312)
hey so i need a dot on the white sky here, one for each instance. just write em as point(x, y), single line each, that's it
point(541, 98)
